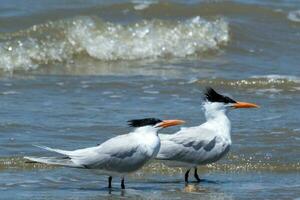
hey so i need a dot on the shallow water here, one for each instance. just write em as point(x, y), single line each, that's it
point(72, 74)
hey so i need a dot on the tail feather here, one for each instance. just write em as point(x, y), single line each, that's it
point(60, 151)
point(66, 160)
point(52, 161)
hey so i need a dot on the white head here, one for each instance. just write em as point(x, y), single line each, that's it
point(216, 103)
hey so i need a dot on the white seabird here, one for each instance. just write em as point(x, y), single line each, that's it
point(203, 144)
point(117, 156)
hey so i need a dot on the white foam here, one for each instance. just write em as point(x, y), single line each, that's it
point(10, 92)
point(115, 96)
point(109, 41)
point(268, 118)
point(142, 5)
point(276, 78)
point(148, 39)
point(151, 91)
point(269, 90)
point(147, 98)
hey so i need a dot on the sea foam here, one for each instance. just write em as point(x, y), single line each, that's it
point(264, 83)
point(62, 40)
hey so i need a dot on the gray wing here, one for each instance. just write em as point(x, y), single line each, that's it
point(190, 145)
point(120, 154)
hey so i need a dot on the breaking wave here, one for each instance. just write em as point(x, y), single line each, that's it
point(62, 41)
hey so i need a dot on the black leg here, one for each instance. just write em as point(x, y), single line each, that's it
point(196, 175)
point(122, 183)
point(109, 182)
point(186, 176)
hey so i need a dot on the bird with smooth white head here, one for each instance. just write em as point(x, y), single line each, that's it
point(203, 144)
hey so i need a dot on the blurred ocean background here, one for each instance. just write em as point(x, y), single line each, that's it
point(73, 72)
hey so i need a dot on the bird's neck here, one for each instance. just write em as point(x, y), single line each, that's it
point(218, 121)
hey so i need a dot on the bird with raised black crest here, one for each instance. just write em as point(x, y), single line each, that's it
point(120, 155)
point(203, 144)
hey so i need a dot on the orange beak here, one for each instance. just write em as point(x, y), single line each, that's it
point(245, 105)
point(173, 122)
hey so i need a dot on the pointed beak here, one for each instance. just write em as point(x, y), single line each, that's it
point(173, 122)
point(244, 105)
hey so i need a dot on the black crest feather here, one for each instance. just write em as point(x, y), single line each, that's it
point(143, 122)
point(212, 96)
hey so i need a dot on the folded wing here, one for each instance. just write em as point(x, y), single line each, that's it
point(121, 154)
point(190, 145)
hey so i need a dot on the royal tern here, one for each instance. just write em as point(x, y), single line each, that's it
point(203, 144)
point(117, 156)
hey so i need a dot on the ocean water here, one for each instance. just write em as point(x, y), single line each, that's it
point(73, 72)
